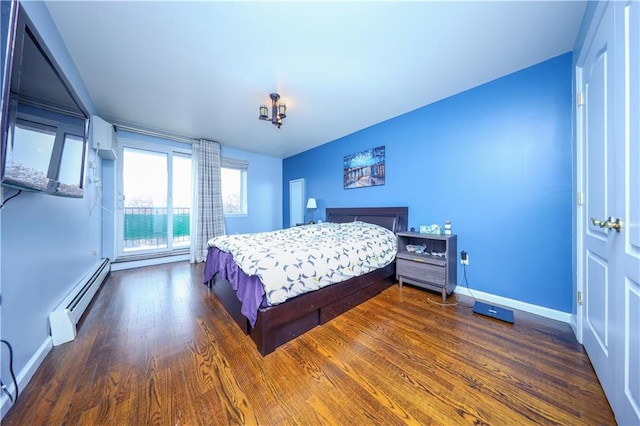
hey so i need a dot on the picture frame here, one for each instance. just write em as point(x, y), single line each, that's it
point(364, 169)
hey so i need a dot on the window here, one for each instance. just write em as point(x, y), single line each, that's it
point(155, 195)
point(234, 186)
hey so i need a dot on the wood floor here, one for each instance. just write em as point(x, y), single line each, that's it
point(156, 347)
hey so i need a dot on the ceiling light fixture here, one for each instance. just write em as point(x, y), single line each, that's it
point(278, 112)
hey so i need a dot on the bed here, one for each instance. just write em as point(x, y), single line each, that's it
point(278, 324)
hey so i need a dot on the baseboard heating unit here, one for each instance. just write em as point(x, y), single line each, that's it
point(65, 317)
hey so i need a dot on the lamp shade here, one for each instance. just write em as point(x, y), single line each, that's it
point(311, 203)
point(264, 112)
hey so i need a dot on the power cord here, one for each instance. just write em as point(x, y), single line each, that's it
point(97, 201)
point(13, 376)
point(442, 304)
point(466, 281)
point(13, 196)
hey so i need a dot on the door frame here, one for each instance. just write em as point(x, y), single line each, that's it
point(168, 149)
point(297, 194)
point(578, 196)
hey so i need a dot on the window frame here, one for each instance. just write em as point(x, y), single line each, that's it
point(243, 166)
point(60, 130)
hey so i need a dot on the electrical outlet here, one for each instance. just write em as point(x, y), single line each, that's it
point(464, 258)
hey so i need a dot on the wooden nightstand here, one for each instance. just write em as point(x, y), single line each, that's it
point(436, 269)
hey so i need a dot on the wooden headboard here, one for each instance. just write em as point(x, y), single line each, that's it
point(393, 218)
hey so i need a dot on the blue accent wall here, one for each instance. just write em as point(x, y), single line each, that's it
point(496, 160)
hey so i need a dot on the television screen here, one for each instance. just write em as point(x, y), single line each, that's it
point(46, 128)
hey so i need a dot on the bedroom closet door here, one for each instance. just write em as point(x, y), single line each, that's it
point(154, 203)
point(608, 319)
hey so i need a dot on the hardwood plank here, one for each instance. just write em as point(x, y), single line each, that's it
point(503, 366)
point(157, 347)
point(370, 392)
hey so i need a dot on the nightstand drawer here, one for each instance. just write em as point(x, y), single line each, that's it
point(421, 271)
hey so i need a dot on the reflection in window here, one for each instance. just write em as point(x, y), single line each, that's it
point(28, 156)
point(70, 176)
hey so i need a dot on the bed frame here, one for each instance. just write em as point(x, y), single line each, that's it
point(279, 324)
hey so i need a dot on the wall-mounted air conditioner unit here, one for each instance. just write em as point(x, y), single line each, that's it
point(103, 138)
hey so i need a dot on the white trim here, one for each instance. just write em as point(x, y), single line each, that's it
point(121, 266)
point(516, 304)
point(574, 327)
point(161, 135)
point(578, 284)
point(578, 111)
point(123, 141)
point(26, 374)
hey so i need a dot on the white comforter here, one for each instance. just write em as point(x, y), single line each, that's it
point(297, 260)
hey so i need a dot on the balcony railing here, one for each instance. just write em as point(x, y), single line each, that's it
point(146, 227)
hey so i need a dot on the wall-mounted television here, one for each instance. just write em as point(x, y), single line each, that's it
point(44, 125)
point(8, 15)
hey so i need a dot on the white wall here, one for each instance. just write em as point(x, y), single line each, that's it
point(47, 243)
point(264, 198)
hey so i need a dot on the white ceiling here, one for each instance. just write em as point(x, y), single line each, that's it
point(201, 69)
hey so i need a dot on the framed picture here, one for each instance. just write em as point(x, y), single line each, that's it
point(364, 168)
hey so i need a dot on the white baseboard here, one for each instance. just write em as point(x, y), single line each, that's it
point(24, 376)
point(122, 265)
point(516, 304)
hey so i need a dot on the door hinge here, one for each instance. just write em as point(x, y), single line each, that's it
point(580, 298)
point(580, 198)
point(579, 99)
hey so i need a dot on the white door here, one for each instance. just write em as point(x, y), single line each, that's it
point(609, 260)
point(296, 202)
point(627, 249)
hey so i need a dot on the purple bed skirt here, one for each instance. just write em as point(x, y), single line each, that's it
point(249, 289)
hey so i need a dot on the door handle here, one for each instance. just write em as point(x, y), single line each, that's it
point(608, 224)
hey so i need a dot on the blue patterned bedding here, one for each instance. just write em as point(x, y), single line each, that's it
point(297, 260)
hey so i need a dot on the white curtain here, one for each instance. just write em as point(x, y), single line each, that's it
point(207, 220)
